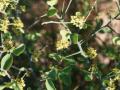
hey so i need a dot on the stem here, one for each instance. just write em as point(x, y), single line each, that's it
point(1, 39)
point(68, 6)
point(63, 7)
point(118, 6)
point(62, 22)
point(24, 75)
point(36, 22)
point(73, 54)
point(81, 50)
point(93, 34)
point(90, 11)
point(16, 68)
point(54, 22)
point(8, 75)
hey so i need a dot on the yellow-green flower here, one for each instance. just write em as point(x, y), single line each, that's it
point(111, 85)
point(8, 44)
point(4, 4)
point(78, 20)
point(64, 41)
point(92, 70)
point(4, 23)
point(18, 24)
point(117, 72)
point(91, 52)
point(20, 83)
point(61, 44)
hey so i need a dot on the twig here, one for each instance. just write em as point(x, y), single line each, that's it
point(54, 22)
point(90, 11)
point(106, 25)
point(73, 54)
point(8, 75)
point(68, 6)
point(63, 7)
point(76, 87)
point(81, 50)
point(36, 22)
point(16, 68)
point(118, 6)
point(1, 39)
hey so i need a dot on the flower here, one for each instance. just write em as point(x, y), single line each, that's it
point(61, 44)
point(18, 24)
point(4, 23)
point(91, 52)
point(64, 41)
point(111, 85)
point(78, 20)
point(20, 83)
point(8, 44)
point(4, 4)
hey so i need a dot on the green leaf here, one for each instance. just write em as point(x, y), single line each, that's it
point(106, 30)
point(55, 56)
point(19, 50)
point(51, 11)
point(116, 40)
point(69, 61)
point(65, 76)
point(3, 74)
point(99, 24)
point(2, 87)
point(87, 78)
point(6, 62)
point(74, 38)
point(32, 36)
point(66, 79)
point(52, 74)
point(16, 86)
point(10, 85)
point(52, 2)
point(49, 85)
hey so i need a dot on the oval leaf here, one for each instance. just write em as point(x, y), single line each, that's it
point(2, 87)
point(74, 38)
point(19, 50)
point(116, 40)
point(6, 62)
point(51, 11)
point(49, 85)
point(106, 30)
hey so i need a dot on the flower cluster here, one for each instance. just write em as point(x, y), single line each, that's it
point(36, 55)
point(18, 24)
point(20, 83)
point(111, 85)
point(64, 41)
point(112, 82)
point(4, 24)
point(8, 44)
point(61, 44)
point(92, 71)
point(117, 72)
point(78, 20)
point(91, 52)
point(4, 4)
